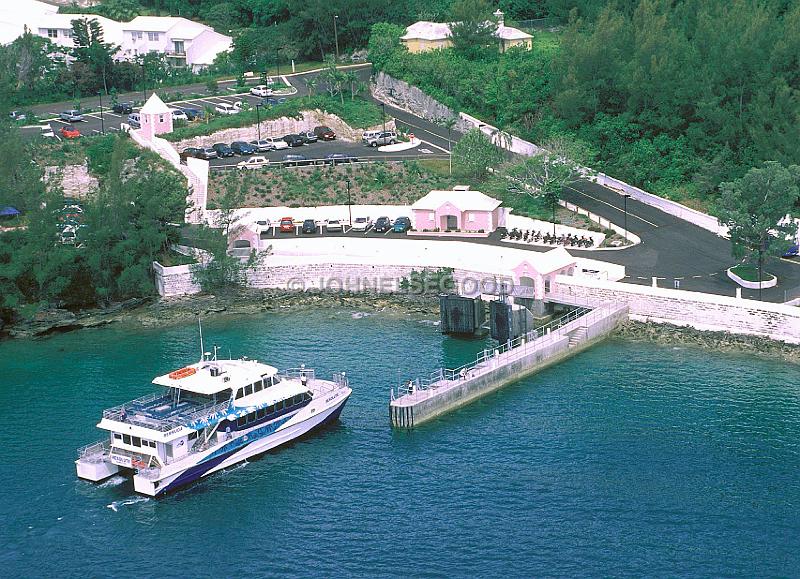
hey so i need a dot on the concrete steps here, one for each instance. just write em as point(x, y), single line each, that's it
point(577, 336)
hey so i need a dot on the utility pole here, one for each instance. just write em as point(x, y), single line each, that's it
point(625, 206)
point(102, 120)
point(336, 35)
point(277, 63)
point(144, 82)
point(258, 120)
point(349, 204)
point(383, 106)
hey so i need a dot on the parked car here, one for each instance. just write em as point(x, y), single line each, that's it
point(228, 109)
point(375, 138)
point(72, 116)
point(286, 225)
point(255, 162)
point(333, 225)
point(189, 152)
point(191, 113)
point(69, 132)
point(262, 146)
point(308, 136)
point(263, 225)
point(294, 140)
point(125, 108)
point(324, 133)
point(242, 148)
point(309, 226)
point(206, 153)
point(278, 144)
point(382, 225)
point(792, 251)
point(17, 116)
point(222, 150)
point(179, 115)
point(401, 225)
point(295, 160)
point(339, 158)
point(272, 101)
point(261, 90)
point(46, 131)
point(362, 224)
point(134, 120)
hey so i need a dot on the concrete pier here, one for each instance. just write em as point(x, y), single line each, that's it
point(444, 390)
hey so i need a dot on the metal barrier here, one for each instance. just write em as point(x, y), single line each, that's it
point(322, 162)
point(536, 337)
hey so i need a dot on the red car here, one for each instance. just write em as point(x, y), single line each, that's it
point(69, 133)
point(287, 225)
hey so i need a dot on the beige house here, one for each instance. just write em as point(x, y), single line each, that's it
point(423, 35)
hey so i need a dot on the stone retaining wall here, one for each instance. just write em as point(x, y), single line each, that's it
point(697, 310)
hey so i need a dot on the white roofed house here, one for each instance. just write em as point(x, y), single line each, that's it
point(424, 35)
point(185, 43)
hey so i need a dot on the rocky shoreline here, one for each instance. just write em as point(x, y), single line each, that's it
point(162, 312)
point(669, 335)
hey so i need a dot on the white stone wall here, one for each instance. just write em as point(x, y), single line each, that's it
point(698, 310)
point(175, 280)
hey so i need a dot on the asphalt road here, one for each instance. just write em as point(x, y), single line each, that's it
point(674, 251)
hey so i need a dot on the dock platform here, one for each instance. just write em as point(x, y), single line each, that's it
point(420, 400)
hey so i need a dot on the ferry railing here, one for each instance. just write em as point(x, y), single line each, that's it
point(540, 335)
point(124, 413)
point(297, 373)
point(94, 451)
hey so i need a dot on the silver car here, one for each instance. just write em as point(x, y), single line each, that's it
point(72, 116)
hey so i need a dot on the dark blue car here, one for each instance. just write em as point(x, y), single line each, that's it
point(242, 148)
point(401, 225)
point(191, 113)
point(792, 251)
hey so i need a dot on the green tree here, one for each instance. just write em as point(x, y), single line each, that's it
point(90, 49)
point(119, 10)
point(545, 175)
point(473, 28)
point(755, 208)
point(384, 43)
point(475, 154)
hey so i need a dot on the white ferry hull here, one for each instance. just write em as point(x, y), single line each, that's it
point(297, 425)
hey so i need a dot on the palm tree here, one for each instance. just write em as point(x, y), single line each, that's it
point(311, 84)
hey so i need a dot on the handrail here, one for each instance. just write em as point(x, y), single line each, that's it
point(95, 448)
point(543, 334)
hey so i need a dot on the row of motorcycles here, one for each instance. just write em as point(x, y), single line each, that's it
point(530, 236)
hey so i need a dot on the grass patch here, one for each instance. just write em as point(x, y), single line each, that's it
point(358, 113)
point(396, 183)
point(172, 258)
point(749, 273)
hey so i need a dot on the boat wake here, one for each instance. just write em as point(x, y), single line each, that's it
point(127, 502)
point(114, 481)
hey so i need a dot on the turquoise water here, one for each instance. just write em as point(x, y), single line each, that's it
point(630, 459)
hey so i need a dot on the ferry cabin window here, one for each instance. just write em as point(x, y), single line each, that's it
point(193, 435)
point(126, 438)
point(239, 393)
point(271, 409)
point(117, 436)
point(261, 413)
point(223, 396)
point(248, 390)
point(241, 421)
point(136, 441)
point(258, 386)
point(275, 379)
point(298, 399)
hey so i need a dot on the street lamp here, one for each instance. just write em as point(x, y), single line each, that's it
point(102, 120)
point(258, 120)
point(336, 35)
point(625, 208)
point(383, 106)
point(144, 82)
point(349, 204)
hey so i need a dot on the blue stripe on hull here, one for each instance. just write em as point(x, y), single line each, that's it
point(198, 470)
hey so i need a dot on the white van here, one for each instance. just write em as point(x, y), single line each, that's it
point(375, 138)
point(135, 121)
point(227, 109)
point(178, 115)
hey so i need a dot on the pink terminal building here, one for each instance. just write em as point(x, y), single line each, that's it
point(458, 210)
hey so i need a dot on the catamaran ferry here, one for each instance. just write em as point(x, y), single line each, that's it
point(209, 416)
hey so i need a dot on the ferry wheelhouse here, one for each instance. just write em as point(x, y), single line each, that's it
point(207, 417)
